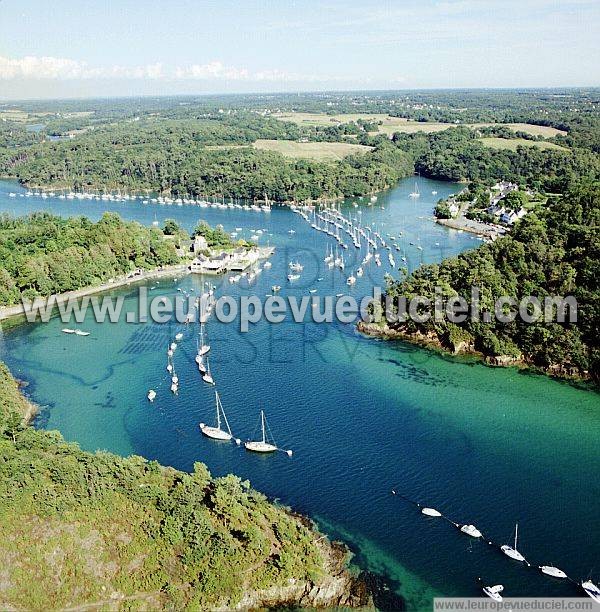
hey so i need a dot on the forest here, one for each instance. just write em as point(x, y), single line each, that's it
point(43, 254)
point(552, 251)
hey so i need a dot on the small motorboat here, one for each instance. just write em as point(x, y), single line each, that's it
point(151, 395)
point(470, 530)
point(267, 265)
point(178, 336)
point(430, 512)
point(79, 332)
point(293, 277)
point(591, 589)
point(494, 592)
point(66, 330)
point(550, 570)
point(275, 288)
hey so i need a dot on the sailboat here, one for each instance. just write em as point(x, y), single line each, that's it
point(155, 222)
point(263, 446)
point(204, 348)
point(511, 551)
point(415, 193)
point(207, 377)
point(216, 433)
point(550, 570)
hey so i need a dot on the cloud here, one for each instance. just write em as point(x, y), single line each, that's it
point(63, 69)
point(60, 68)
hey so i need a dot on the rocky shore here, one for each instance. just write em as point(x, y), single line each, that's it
point(433, 342)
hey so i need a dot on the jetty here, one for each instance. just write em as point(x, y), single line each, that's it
point(236, 260)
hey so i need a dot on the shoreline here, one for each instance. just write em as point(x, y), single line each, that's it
point(18, 310)
point(433, 343)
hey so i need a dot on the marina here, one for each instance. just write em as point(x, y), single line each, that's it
point(467, 438)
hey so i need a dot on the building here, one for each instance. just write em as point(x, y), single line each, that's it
point(199, 244)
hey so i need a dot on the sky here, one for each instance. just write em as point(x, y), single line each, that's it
point(83, 48)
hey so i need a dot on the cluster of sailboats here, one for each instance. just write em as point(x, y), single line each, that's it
point(346, 230)
point(221, 429)
point(218, 202)
point(511, 551)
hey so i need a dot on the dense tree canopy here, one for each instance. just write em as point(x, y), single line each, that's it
point(554, 251)
point(43, 254)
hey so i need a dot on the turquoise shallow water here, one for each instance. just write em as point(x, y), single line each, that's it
point(488, 446)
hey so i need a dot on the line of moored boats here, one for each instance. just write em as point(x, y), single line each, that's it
point(511, 551)
point(221, 429)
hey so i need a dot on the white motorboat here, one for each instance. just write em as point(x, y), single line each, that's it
point(66, 330)
point(430, 512)
point(351, 280)
point(178, 336)
point(550, 570)
point(79, 332)
point(267, 265)
point(359, 272)
point(293, 277)
point(296, 266)
point(511, 551)
point(494, 592)
point(151, 395)
point(471, 530)
point(275, 288)
point(591, 589)
point(174, 388)
point(173, 346)
point(263, 445)
point(217, 433)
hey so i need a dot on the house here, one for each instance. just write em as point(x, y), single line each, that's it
point(199, 244)
point(453, 207)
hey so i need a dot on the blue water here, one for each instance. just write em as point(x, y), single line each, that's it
point(488, 446)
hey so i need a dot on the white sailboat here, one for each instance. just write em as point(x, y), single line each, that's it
point(217, 433)
point(263, 445)
point(511, 551)
point(550, 570)
point(207, 377)
point(415, 193)
point(203, 348)
point(174, 382)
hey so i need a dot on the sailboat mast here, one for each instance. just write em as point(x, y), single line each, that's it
point(516, 534)
point(262, 418)
point(217, 402)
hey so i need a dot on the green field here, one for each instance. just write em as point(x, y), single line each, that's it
point(389, 124)
point(311, 150)
point(512, 144)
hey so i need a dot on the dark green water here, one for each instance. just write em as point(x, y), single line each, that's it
point(488, 446)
